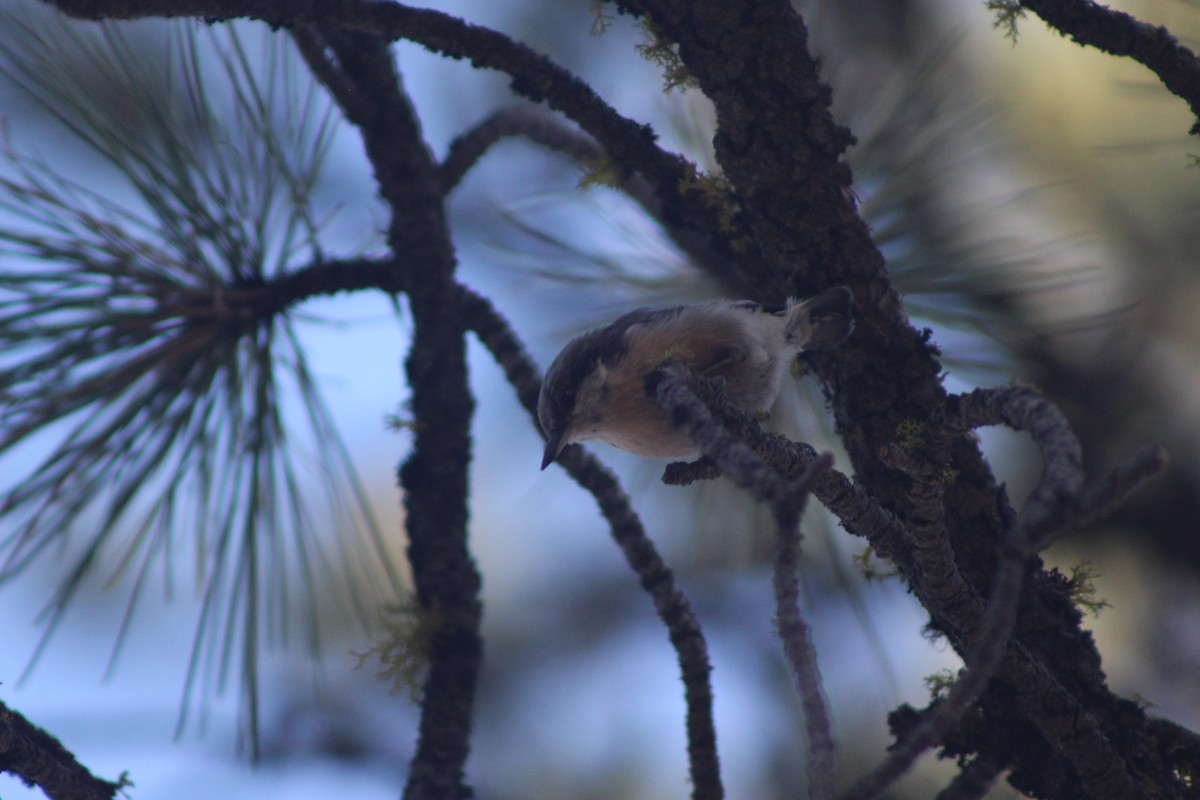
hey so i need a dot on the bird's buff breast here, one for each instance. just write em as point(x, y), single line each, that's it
point(651, 444)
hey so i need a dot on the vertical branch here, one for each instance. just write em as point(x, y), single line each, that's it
point(359, 71)
point(797, 639)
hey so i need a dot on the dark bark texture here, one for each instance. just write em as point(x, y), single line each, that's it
point(782, 222)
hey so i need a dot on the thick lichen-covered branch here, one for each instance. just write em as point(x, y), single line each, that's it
point(359, 71)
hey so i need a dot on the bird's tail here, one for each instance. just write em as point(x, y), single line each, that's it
point(821, 322)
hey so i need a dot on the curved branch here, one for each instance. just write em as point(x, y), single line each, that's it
point(534, 75)
point(1121, 34)
point(673, 608)
point(1061, 500)
point(549, 132)
point(656, 577)
point(673, 386)
point(319, 279)
point(536, 126)
point(1025, 410)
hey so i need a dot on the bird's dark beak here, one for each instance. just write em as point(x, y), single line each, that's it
point(554, 446)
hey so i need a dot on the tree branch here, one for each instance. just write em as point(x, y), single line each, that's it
point(1121, 34)
point(549, 132)
point(991, 644)
point(672, 607)
point(798, 646)
point(753, 61)
point(630, 146)
point(1074, 732)
point(535, 126)
point(39, 759)
point(1049, 711)
point(857, 511)
point(359, 71)
point(312, 48)
point(1056, 499)
point(672, 386)
point(656, 578)
point(1061, 500)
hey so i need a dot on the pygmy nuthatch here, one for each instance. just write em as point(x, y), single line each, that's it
point(595, 388)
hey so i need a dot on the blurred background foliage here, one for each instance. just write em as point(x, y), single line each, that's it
point(1037, 203)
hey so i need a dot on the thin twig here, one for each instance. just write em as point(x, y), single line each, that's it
point(671, 386)
point(534, 125)
point(548, 131)
point(673, 608)
point(991, 645)
point(1121, 34)
point(656, 578)
point(798, 647)
point(1103, 496)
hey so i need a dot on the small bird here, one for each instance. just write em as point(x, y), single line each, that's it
point(595, 388)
